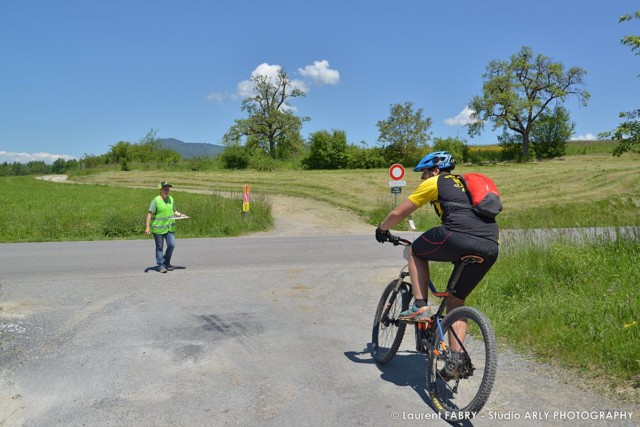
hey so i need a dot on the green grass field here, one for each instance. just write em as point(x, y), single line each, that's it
point(575, 191)
point(575, 307)
point(37, 211)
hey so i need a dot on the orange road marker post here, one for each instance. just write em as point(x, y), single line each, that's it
point(246, 198)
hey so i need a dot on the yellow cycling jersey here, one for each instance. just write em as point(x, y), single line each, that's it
point(448, 196)
point(427, 191)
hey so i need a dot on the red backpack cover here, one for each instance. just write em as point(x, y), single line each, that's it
point(483, 194)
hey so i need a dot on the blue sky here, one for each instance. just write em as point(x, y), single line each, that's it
point(77, 76)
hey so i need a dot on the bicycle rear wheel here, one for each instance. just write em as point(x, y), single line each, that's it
point(388, 330)
point(459, 382)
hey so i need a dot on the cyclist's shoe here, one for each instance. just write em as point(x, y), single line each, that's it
point(169, 267)
point(162, 269)
point(416, 314)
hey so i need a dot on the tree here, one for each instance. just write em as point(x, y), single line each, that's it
point(364, 157)
point(235, 157)
point(327, 150)
point(148, 149)
point(120, 153)
point(457, 147)
point(38, 167)
point(59, 166)
point(516, 93)
point(632, 41)
point(628, 132)
point(511, 146)
point(271, 125)
point(405, 134)
point(549, 137)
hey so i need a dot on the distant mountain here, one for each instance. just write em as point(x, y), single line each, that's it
point(189, 150)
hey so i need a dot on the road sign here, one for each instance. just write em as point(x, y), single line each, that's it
point(396, 172)
point(397, 183)
point(396, 190)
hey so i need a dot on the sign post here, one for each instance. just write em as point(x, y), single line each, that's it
point(246, 197)
point(396, 172)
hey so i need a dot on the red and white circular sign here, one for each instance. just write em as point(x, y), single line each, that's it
point(396, 172)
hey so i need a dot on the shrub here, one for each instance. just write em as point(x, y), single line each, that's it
point(365, 158)
point(235, 157)
point(327, 150)
point(457, 147)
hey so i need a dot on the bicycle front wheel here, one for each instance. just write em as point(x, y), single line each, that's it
point(462, 370)
point(388, 330)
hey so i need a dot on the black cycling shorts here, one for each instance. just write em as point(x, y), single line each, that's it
point(440, 244)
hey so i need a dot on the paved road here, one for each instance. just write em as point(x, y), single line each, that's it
point(246, 331)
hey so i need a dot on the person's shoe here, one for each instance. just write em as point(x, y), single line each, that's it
point(416, 314)
point(162, 269)
point(169, 267)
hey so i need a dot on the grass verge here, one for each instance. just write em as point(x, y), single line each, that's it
point(576, 306)
point(38, 211)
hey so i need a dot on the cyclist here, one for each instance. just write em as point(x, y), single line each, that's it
point(462, 232)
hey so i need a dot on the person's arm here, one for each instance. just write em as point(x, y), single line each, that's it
point(402, 211)
point(175, 208)
point(147, 230)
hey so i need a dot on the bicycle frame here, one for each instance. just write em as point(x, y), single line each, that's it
point(461, 366)
point(425, 332)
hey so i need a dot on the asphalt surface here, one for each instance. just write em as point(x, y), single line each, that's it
point(245, 331)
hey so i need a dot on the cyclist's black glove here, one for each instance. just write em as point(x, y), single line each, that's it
point(383, 235)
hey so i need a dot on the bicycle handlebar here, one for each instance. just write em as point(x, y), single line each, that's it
point(397, 240)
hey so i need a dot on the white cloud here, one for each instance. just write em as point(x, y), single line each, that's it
point(219, 97)
point(462, 119)
point(321, 73)
point(245, 89)
point(587, 137)
point(12, 157)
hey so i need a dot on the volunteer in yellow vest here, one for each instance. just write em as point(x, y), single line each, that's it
point(160, 223)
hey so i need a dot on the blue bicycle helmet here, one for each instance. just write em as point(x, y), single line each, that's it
point(441, 159)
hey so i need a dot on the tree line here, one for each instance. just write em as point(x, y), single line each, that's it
point(37, 167)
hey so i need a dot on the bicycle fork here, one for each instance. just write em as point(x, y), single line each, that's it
point(397, 292)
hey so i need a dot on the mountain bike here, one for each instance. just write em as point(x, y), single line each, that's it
point(461, 366)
